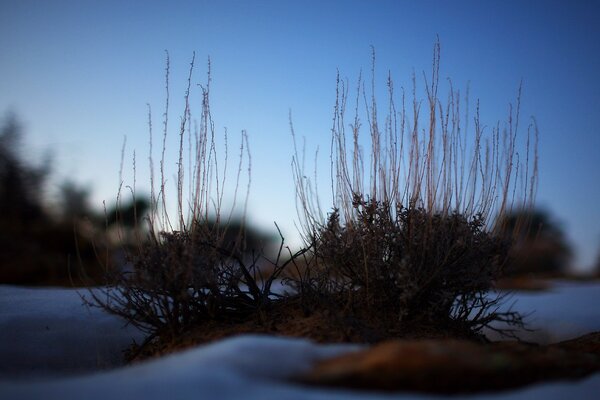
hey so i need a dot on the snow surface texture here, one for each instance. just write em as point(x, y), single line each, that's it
point(51, 332)
point(565, 311)
point(46, 333)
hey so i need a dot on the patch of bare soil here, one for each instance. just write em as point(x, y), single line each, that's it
point(450, 366)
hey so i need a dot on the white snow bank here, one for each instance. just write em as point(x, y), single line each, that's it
point(565, 311)
point(247, 367)
point(49, 331)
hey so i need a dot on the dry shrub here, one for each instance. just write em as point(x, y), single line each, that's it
point(412, 231)
point(204, 265)
point(181, 279)
point(418, 264)
point(411, 240)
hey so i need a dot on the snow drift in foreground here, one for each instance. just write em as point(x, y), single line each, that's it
point(47, 335)
point(247, 367)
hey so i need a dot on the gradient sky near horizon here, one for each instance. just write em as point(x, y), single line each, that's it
point(79, 75)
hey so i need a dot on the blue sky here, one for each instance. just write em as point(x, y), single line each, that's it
point(79, 74)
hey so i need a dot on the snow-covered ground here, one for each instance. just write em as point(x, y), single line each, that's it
point(53, 347)
point(566, 310)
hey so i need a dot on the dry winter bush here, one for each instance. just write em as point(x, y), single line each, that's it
point(411, 235)
point(205, 264)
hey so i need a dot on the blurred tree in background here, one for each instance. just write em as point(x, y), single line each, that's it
point(37, 245)
point(241, 235)
point(74, 202)
point(540, 247)
point(597, 266)
point(21, 184)
point(42, 244)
